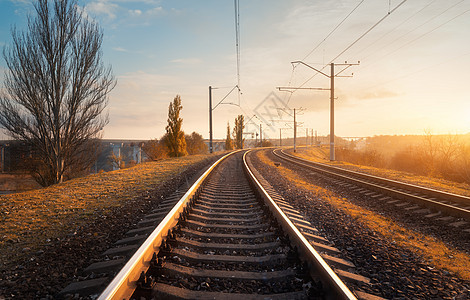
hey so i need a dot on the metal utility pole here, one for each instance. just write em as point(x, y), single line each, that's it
point(210, 119)
point(211, 109)
point(332, 113)
point(295, 131)
point(332, 96)
point(311, 138)
point(280, 140)
point(261, 135)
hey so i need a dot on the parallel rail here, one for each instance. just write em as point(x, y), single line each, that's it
point(126, 281)
point(308, 253)
point(425, 196)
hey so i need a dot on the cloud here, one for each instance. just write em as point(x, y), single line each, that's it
point(135, 12)
point(155, 11)
point(102, 7)
point(21, 2)
point(186, 61)
point(120, 49)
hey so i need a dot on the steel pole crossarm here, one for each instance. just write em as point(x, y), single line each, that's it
point(288, 89)
point(235, 87)
point(349, 64)
point(301, 62)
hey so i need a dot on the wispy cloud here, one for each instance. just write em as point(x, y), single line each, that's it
point(120, 49)
point(155, 11)
point(186, 61)
point(21, 2)
point(102, 7)
point(135, 12)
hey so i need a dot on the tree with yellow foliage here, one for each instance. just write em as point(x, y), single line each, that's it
point(174, 138)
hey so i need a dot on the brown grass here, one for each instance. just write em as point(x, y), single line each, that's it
point(30, 219)
point(322, 155)
point(17, 183)
point(434, 252)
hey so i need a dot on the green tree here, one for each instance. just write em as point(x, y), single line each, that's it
point(174, 138)
point(228, 139)
point(238, 132)
point(56, 89)
point(195, 144)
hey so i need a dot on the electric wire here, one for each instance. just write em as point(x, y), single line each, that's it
point(416, 72)
point(393, 29)
point(316, 47)
point(369, 30)
point(420, 37)
point(414, 29)
point(220, 102)
point(237, 42)
point(334, 29)
point(353, 43)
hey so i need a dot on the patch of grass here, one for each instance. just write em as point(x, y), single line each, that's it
point(318, 155)
point(435, 252)
point(34, 218)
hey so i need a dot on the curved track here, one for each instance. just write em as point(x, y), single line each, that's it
point(438, 201)
point(227, 238)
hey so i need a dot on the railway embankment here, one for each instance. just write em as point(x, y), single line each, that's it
point(48, 235)
point(404, 255)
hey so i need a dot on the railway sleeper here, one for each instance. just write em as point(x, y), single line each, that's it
point(166, 291)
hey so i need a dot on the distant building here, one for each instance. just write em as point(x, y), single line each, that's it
point(113, 155)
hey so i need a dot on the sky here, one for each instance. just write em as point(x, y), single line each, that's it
point(413, 72)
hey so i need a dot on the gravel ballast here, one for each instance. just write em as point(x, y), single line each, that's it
point(395, 272)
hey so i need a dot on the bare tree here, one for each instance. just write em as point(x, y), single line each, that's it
point(430, 149)
point(56, 89)
point(463, 167)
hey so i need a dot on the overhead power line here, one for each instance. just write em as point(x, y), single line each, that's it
point(369, 30)
point(334, 29)
point(393, 29)
point(419, 26)
point(406, 75)
point(355, 41)
point(237, 42)
point(318, 45)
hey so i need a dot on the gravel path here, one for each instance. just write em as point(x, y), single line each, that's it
point(395, 273)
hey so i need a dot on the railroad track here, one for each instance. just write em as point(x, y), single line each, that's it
point(227, 238)
point(432, 203)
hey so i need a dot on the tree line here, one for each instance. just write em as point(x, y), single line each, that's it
point(175, 143)
point(438, 156)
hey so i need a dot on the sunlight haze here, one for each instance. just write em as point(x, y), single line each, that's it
point(413, 73)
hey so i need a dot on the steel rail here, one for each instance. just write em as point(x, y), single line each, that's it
point(317, 265)
point(352, 177)
point(125, 282)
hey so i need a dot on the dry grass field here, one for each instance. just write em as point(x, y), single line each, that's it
point(322, 155)
point(17, 183)
point(32, 219)
point(432, 250)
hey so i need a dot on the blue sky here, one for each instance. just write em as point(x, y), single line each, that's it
point(413, 75)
